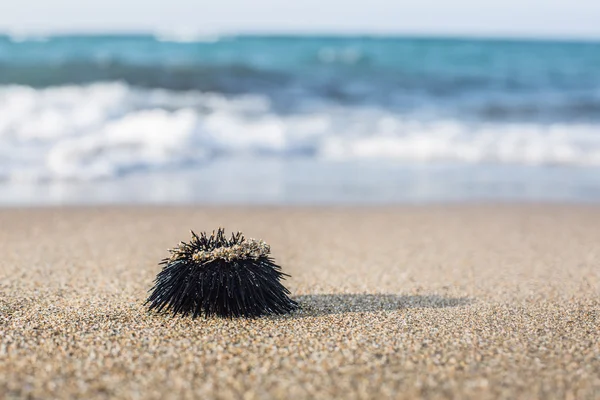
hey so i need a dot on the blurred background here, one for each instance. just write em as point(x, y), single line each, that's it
point(312, 102)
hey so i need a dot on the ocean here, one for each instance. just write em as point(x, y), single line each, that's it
point(297, 119)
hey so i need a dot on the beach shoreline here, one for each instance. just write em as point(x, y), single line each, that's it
point(434, 301)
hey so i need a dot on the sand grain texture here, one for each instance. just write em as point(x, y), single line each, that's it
point(400, 302)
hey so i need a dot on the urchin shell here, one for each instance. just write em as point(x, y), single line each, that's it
point(213, 275)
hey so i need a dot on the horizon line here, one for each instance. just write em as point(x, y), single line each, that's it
point(200, 34)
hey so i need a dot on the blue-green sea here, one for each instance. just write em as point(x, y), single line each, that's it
point(297, 119)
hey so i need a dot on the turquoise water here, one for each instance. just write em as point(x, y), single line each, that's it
point(87, 110)
point(487, 79)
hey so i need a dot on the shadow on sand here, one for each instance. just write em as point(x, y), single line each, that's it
point(325, 304)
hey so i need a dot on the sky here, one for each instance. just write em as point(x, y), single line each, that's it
point(524, 18)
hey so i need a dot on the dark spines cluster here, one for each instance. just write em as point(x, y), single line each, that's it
point(214, 275)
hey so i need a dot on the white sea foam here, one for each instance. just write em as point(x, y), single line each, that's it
point(186, 36)
point(21, 37)
point(104, 130)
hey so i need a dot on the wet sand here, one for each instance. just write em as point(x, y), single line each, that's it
point(470, 301)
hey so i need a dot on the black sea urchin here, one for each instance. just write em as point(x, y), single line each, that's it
point(213, 275)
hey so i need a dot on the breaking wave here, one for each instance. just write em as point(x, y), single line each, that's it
point(105, 130)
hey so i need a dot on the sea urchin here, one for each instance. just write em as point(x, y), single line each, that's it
point(213, 275)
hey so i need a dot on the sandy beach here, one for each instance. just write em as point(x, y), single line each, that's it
point(469, 301)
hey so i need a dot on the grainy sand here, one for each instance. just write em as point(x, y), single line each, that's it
point(437, 302)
